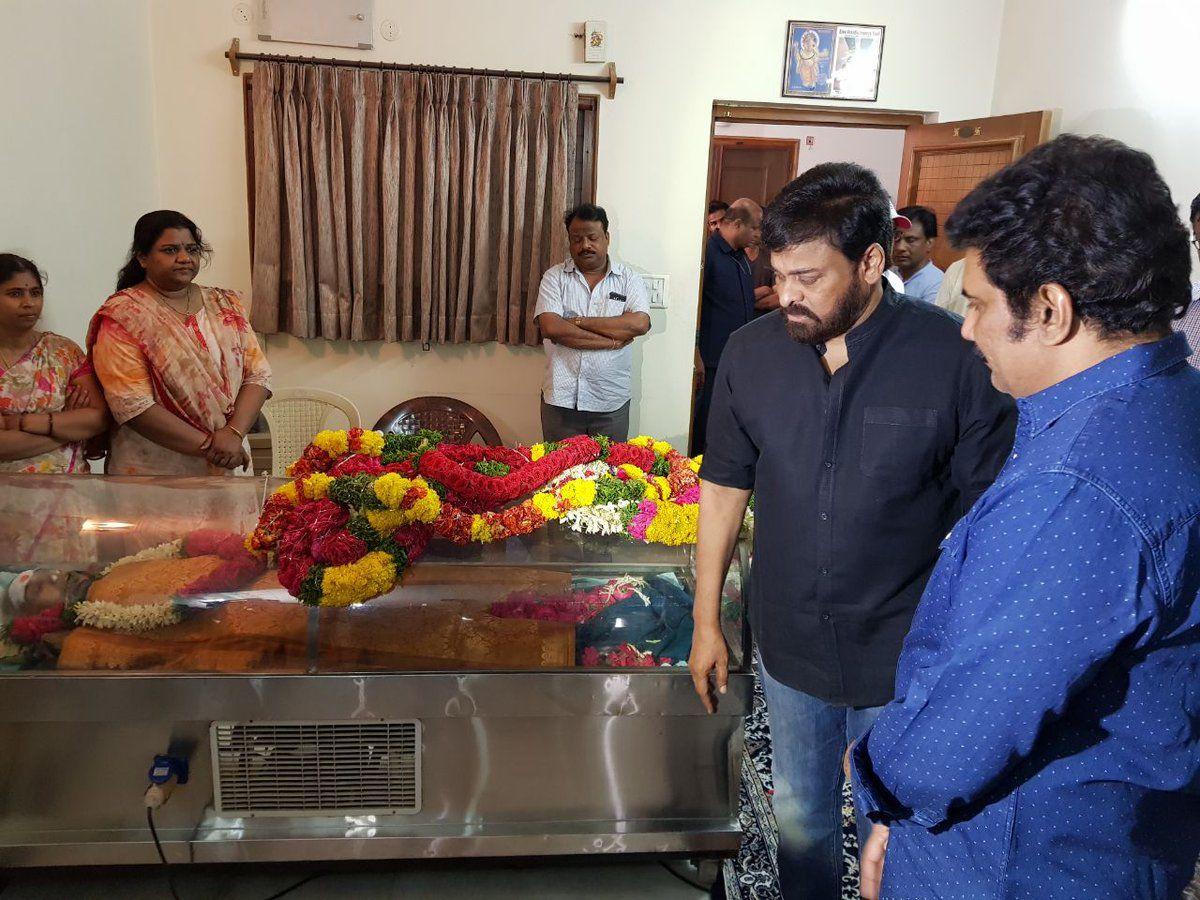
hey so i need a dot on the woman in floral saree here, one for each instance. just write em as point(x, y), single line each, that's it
point(49, 401)
point(183, 373)
point(50, 404)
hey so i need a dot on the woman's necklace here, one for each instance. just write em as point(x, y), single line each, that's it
point(186, 312)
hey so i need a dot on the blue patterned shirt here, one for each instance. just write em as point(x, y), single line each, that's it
point(1045, 737)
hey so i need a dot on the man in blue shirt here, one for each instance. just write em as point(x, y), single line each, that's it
point(727, 300)
point(1045, 736)
point(910, 253)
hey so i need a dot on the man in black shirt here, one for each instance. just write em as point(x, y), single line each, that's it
point(866, 426)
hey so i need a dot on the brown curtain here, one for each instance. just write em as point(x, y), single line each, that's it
point(405, 206)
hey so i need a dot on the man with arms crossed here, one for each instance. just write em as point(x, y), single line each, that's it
point(589, 310)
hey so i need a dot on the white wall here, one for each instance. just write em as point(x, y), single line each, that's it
point(76, 144)
point(1124, 69)
point(879, 149)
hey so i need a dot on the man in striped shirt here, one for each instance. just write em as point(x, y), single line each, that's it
point(1190, 323)
point(589, 309)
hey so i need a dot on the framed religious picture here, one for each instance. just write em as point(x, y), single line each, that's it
point(832, 61)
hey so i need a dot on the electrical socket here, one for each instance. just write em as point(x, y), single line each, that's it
point(389, 30)
point(243, 14)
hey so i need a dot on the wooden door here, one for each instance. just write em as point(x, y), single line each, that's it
point(751, 167)
point(943, 161)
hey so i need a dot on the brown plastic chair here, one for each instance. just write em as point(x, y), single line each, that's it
point(458, 422)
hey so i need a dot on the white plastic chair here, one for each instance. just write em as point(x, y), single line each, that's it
point(295, 415)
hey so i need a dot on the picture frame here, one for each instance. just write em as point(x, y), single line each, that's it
point(832, 60)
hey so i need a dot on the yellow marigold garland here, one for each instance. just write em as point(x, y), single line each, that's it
point(315, 486)
point(391, 488)
point(674, 524)
point(370, 443)
point(335, 443)
point(359, 581)
point(580, 492)
point(547, 505)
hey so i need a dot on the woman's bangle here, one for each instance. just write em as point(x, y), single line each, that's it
point(206, 443)
point(235, 431)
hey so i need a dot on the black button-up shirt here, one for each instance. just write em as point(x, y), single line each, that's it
point(727, 300)
point(857, 478)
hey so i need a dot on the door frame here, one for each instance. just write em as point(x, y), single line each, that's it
point(792, 145)
point(797, 114)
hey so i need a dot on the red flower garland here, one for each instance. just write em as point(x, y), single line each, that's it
point(490, 491)
point(29, 630)
point(292, 569)
point(412, 539)
point(358, 465)
point(470, 454)
point(338, 549)
point(631, 454)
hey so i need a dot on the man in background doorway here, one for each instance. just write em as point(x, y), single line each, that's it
point(1189, 325)
point(727, 299)
point(716, 212)
point(589, 309)
point(950, 296)
point(911, 254)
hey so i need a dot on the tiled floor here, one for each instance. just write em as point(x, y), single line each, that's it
point(611, 881)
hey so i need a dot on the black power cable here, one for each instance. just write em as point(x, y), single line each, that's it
point(162, 856)
point(171, 881)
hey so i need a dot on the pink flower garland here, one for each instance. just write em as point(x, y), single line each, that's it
point(647, 509)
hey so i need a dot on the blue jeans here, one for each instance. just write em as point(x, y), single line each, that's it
point(808, 742)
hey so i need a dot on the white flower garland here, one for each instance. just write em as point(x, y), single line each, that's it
point(603, 519)
point(117, 617)
point(169, 550)
point(591, 471)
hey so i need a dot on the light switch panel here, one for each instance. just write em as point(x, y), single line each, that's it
point(656, 287)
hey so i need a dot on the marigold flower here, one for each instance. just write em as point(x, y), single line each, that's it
point(370, 443)
point(391, 488)
point(316, 486)
point(580, 492)
point(335, 443)
point(357, 582)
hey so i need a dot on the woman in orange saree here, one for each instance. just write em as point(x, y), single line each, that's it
point(181, 369)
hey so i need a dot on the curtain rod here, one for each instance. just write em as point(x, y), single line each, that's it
point(235, 56)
